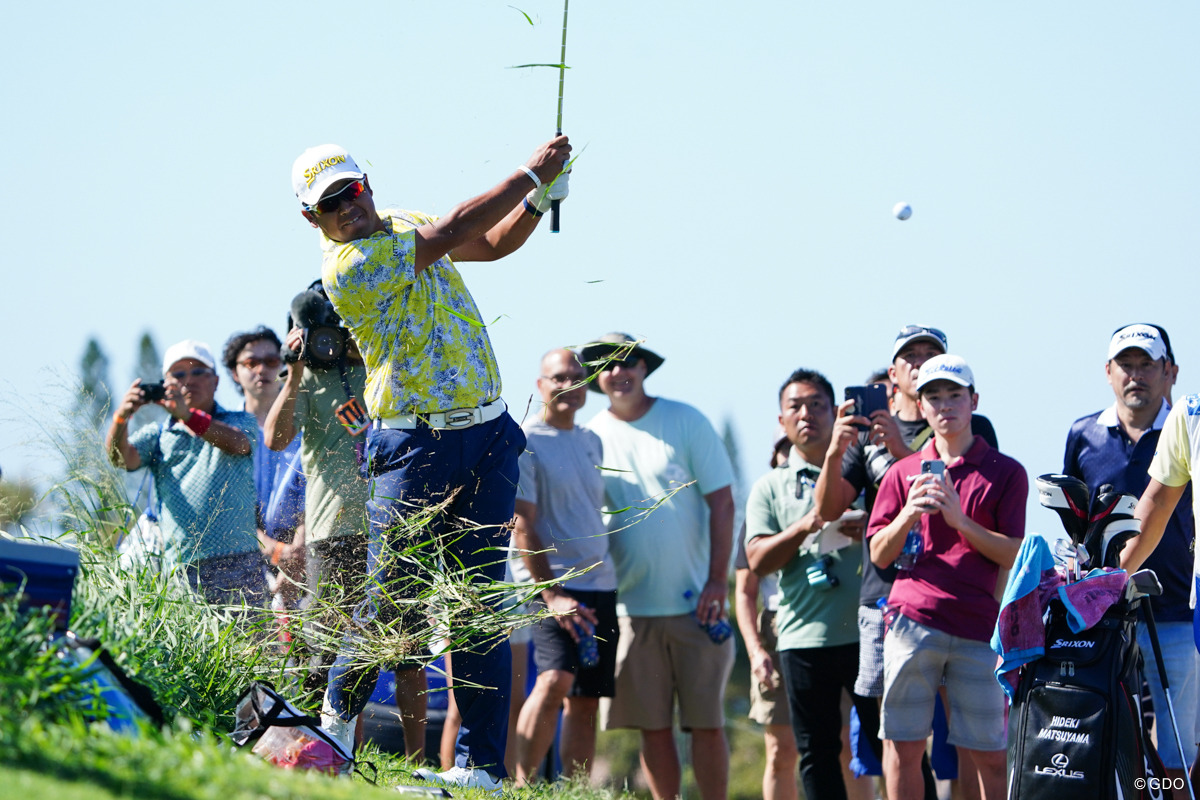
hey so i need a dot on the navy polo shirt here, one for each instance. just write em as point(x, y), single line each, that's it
point(1099, 452)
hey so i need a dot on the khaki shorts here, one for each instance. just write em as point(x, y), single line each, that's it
point(660, 659)
point(916, 661)
point(769, 706)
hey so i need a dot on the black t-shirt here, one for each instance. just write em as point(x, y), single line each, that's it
point(863, 467)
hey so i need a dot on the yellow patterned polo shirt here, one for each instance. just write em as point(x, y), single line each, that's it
point(424, 344)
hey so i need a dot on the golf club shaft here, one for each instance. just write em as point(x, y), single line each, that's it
point(562, 72)
point(1152, 629)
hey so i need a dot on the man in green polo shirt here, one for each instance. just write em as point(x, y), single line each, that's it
point(818, 575)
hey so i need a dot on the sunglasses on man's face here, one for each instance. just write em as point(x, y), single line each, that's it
point(348, 194)
point(196, 372)
point(623, 363)
point(914, 330)
point(270, 362)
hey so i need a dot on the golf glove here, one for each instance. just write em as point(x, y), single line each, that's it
point(541, 197)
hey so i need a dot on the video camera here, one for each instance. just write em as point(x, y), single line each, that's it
point(325, 339)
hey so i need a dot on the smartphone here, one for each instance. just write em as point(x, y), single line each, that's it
point(935, 467)
point(867, 399)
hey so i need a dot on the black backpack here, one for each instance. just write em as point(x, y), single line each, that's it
point(1075, 727)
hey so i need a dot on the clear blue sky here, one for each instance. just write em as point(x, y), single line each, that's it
point(732, 205)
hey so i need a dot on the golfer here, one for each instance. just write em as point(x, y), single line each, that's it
point(440, 432)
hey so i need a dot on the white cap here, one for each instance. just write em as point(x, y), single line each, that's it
point(318, 167)
point(1142, 336)
point(945, 368)
point(188, 348)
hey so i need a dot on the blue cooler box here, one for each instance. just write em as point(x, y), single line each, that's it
point(41, 575)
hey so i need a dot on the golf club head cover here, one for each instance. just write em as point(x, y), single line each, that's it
point(1111, 515)
point(1070, 497)
point(1116, 534)
point(541, 197)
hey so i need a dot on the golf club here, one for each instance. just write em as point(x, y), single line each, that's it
point(1108, 510)
point(1152, 629)
point(1069, 497)
point(562, 70)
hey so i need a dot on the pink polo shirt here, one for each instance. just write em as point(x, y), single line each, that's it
point(952, 588)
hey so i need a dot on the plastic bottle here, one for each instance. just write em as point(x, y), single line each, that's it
point(718, 630)
point(913, 547)
point(589, 650)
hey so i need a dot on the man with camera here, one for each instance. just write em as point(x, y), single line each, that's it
point(818, 567)
point(1116, 447)
point(441, 433)
point(203, 469)
point(951, 517)
point(321, 397)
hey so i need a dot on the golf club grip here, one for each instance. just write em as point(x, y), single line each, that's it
point(554, 216)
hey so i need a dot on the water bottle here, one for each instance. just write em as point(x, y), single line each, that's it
point(913, 546)
point(589, 650)
point(718, 630)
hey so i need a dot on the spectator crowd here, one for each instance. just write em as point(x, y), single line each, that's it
point(867, 574)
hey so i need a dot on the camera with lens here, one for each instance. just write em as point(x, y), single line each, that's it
point(325, 340)
point(819, 576)
point(153, 391)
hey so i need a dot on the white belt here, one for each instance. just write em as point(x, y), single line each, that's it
point(455, 419)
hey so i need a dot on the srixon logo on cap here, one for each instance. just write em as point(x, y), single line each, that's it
point(311, 173)
point(1139, 333)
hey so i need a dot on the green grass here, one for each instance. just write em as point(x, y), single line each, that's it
point(196, 660)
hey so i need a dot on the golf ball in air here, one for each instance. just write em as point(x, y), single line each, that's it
point(902, 211)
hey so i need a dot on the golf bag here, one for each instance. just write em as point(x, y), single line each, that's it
point(1075, 727)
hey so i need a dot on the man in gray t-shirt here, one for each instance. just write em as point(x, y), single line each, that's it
point(562, 537)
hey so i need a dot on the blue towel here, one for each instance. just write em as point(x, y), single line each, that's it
point(1020, 635)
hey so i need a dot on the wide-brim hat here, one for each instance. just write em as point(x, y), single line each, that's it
point(596, 354)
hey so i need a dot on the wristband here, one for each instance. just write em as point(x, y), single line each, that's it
point(276, 552)
point(117, 418)
point(537, 182)
point(198, 422)
point(531, 208)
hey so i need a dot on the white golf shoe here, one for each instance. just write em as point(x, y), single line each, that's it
point(462, 777)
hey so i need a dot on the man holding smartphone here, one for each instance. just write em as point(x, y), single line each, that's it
point(944, 600)
point(866, 446)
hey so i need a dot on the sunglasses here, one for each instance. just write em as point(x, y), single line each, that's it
point(564, 379)
point(348, 194)
point(913, 330)
point(195, 372)
point(271, 362)
point(624, 363)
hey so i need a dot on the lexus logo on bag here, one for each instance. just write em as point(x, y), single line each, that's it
point(1058, 768)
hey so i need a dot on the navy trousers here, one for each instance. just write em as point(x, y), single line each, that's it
point(410, 470)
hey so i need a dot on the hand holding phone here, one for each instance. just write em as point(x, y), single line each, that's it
point(867, 400)
point(935, 467)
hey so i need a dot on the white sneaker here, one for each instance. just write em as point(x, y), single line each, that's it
point(461, 776)
point(338, 728)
